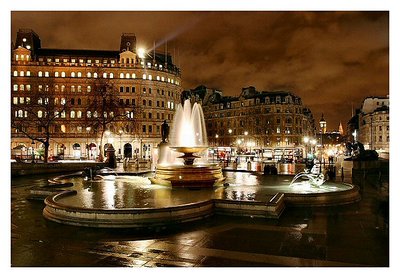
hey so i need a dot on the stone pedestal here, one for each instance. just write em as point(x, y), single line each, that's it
point(111, 160)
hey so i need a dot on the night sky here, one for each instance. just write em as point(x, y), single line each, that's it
point(332, 60)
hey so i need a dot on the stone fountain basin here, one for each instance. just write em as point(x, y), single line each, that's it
point(193, 149)
point(119, 203)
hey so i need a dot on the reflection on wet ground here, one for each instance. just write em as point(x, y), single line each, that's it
point(351, 235)
point(137, 192)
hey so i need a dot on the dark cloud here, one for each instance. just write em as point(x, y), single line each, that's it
point(331, 59)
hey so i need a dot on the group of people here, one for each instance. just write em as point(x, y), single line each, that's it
point(270, 170)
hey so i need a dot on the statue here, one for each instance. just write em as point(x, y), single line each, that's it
point(359, 152)
point(164, 131)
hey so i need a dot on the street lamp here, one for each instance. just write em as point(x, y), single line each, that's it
point(33, 151)
point(120, 141)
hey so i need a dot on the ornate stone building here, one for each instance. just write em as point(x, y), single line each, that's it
point(374, 125)
point(271, 124)
point(146, 84)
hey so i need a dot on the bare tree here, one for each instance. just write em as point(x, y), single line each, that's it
point(38, 114)
point(107, 110)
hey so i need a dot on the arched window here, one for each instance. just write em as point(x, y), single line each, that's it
point(56, 74)
point(72, 101)
point(21, 73)
point(144, 76)
point(127, 75)
point(72, 74)
point(95, 75)
point(111, 75)
point(20, 113)
point(133, 75)
point(15, 73)
point(150, 77)
point(79, 114)
point(121, 75)
point(88, 114)
point(40, 114)
point(72, 114)
point(63, 74)
point(89, 89)
point(105, 75)
point(79, 74)
point(79, 101)
point(89, 75)
point(40, 74)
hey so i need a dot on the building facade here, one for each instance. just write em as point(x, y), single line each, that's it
point(373, 125)
point(267, 124)
point(146, 84)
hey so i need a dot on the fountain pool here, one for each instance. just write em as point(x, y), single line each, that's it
point(133, 201)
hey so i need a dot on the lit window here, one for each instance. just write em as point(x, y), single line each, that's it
point(49, 60)
point(89, 89)
point(158, 78)
point(46, 74)
point(72, 60)
point(169, 80)
point(81, 61)
point(62, 88)
point(63, 129)
point(105, 75)
point(79, 89)
point(72, 114)
point(79, 114)
point(79, 74)
point(21, 87)
point(72, 74)
point(88, 75)
point(57, 60)
point(62, 101)
point(121, 75)
point(162, 78)
point(95, 75)
point(88, 114)
point(40, 114)
point(79, 128)
point(63, 114)
point(56, 74)
point(15, 88)
point(127, 75)
point(15, 73)
point(20, 113)
point(40, 74)
point(97, 61)
point(15, 100)
point(16, 57)
point(63, 74)
point(133, 75)
point(73, 89)
point(22, 57)
point(28, 100)
point(28, 87)
point(65, 60)
point(111, 75)
point(56, 100)
point(150, 77)
point(144, 76)
point(89, 61)
point(40, 88)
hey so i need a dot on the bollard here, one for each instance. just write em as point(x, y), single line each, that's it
point(342, 174)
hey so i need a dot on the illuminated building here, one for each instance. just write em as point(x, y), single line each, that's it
point(374, 125)
point(148, 81)
point(270, 124)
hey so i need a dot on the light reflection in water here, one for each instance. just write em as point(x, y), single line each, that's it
point(138, 192)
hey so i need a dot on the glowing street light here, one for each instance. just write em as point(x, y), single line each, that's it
point(141, 52)
point(306, 139)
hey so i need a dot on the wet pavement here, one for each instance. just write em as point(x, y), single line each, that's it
point(351, 235)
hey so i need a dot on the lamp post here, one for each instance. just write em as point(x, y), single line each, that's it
point(33, 151)
point(120, 142)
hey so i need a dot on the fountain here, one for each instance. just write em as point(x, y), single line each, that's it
point(188, 137)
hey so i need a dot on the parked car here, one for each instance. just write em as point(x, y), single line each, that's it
point(54, 158)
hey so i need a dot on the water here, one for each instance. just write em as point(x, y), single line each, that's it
point(117, 192)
